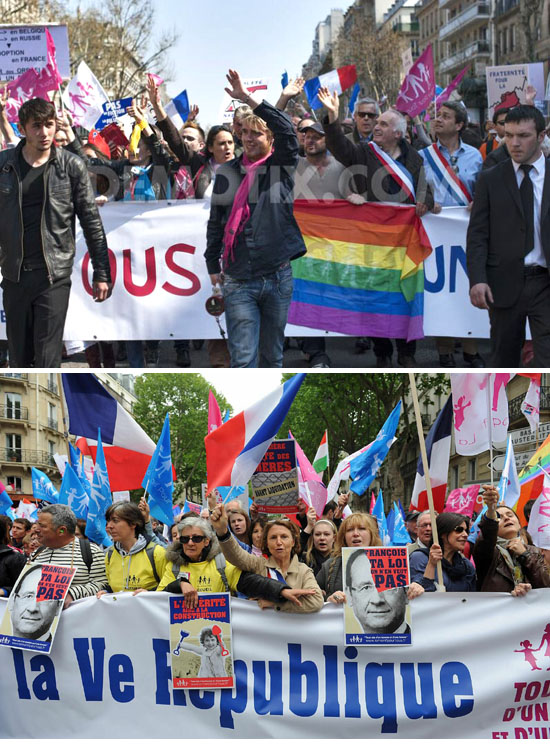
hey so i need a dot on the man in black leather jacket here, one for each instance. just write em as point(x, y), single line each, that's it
point(42, 189)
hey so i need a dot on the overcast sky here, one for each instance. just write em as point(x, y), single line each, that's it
point(259, 39)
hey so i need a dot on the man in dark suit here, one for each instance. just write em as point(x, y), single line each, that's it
point(508, 243)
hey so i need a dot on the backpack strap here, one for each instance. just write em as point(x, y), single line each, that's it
point(220, 566)
point(150, 551)
point(86, 552)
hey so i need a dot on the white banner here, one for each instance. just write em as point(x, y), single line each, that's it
point(161, 283)
point(22, 47)
point(476, 669)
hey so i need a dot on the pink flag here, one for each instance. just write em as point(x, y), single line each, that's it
point(158, 80)
point(480, 406)
point(453, 85)
point(214, 413)
point(307, 470)
point(418, 88)
point(49, 77)
point(372, 501)
point(462, 500)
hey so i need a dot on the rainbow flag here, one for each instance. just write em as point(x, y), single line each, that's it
point(363, 273)
point(531, 478)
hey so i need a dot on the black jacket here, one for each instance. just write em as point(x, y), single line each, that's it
point(11, 564)
point(68, 194)
point(199, 163)
point(272, 234)
point(366, 165)
point(495, 243)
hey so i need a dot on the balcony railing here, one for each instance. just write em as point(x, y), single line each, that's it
point(406, 27)
point(26, 457)
point(477, 12)
point(473, 50)
point(514, 406)
point(52, 387)
point(15, 376)
point(503, 6)
point(17, 413)
point(52, 424)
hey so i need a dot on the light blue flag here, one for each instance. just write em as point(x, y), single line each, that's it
point(284, 79)
point(77, 464)
point(5, 501)
point(158, 479)
point(354, 96)
point(400, 535)
point(100, 499)
point(227, 416)
point(378, 513)
point(508, 487)
point(73, 494)
point(42, 487)
point(365, 466)
point(390, 522)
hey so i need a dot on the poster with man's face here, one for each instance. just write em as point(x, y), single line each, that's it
point(375, 583)
point(34, 607)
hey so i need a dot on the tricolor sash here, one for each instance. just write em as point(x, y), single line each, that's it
point(445, 175)
point(396, 170)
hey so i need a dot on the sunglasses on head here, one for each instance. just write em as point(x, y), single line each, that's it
point(460, 529)
point(363, 114)
point(194, 538)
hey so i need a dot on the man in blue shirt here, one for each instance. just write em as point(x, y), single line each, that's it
point(451, 167)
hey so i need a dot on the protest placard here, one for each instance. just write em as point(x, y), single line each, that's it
point(507, 85)
point(113, 111)
point(23, 47)
point(200, 642)
point(252, 85)
point(224, 493)
point(275, 481)
point(376, 610)
point(34, 607)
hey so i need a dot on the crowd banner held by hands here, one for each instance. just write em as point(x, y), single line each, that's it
point(426, 469)
point(418, 89)
point(376, 611)
point(438, 449)
point(337, 81)
point(275, 480)
point(33, 610)
point(200, 642)
point(158, 479)
point(128, 449)
point(480, 406)
point(234, 450)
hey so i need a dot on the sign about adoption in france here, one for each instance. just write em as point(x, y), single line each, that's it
point(275, 480)
point(507, 85)
point(23, 47)
point(34, 607)
point(111, 666)
point(377, 610)
point(200, 642)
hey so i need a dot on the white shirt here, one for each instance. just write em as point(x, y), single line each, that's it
point(535, 257)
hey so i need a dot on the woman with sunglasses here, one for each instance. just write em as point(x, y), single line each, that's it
point(459, 574)
point(196, 564)
point(504, 560)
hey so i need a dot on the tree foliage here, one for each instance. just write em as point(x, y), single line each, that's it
point(185, 398)
point(353, 407)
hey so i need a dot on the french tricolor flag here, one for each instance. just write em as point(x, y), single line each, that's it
point(234, 450)
point(438, 448)
point(336, 80)
point(127, 448)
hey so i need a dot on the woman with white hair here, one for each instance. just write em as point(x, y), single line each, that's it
point(196, 564)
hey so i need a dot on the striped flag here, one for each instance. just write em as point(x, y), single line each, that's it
point(363, 272)
point(438, 448)
point(320, 462)
point(335, 80)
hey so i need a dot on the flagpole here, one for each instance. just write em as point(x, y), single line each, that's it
point(441, 586)
point(490, 421)
point(64, 415)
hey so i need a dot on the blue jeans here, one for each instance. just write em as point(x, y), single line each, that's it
point(256, 311)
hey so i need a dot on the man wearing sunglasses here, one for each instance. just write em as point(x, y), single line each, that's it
point(365, 114)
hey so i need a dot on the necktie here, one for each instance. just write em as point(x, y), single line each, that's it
point(528, 203)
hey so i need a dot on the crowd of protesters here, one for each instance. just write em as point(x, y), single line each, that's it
point(285, 563)
point(252, 236)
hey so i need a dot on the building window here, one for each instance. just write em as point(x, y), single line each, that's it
point(13, 447)
point(454, 477)
point(15, 482)
point(13, 405)
point(52, 416)
point(472, 469)
point(51, 452)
